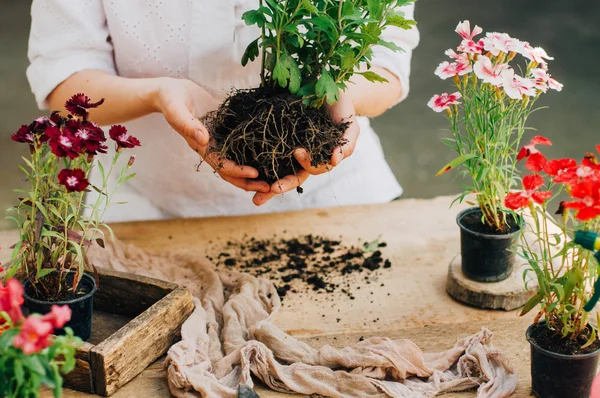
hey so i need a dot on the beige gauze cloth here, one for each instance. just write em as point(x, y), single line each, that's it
point(230, 336)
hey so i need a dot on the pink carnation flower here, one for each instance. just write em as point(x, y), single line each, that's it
point(464, 30)
point(58, 316)
point(485, 71)
point(516, 86)
point(34, 335)
point(440, 102)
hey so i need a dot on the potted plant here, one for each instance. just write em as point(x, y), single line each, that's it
point(487, 118)
point(55, 229)
point(29, 356)
point(564, 345)
point(309, 51)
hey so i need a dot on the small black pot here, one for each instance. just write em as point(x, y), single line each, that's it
point(485, 257)
point(81, 307)
point(559, 376)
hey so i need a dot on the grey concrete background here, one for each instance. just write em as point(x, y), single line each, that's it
point(410, 133)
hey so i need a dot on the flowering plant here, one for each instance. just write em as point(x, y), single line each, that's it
point(54, 231)
point(564, 270)
point(29, 357)
point(487, 114)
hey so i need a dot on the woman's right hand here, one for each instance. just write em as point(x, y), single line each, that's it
point(181, 102)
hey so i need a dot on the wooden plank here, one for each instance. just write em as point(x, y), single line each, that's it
point(126, 353)
point(80, 378)
point(127, 294)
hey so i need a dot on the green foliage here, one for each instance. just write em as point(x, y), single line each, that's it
point(23, 375)
point(313, 47)
point(565, 272)
point(56, 227)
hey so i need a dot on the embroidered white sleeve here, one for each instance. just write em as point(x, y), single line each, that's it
point(67, 36)
point(398, 63)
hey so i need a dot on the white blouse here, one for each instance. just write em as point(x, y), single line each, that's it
point(201, 40)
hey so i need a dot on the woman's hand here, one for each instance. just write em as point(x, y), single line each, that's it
point(342, 111)
point(181, 102)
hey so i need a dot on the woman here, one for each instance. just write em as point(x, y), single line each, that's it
point(162, 64)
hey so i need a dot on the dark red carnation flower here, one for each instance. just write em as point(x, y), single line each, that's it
point(535, 160)
point(123, 140)
point(63, 143)
point(24, 134)
point(74, 180)
point(79, 104)
point(91, 137)
point(57, 119)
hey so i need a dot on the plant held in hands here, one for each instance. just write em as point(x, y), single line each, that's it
point(309, 50)
point(489, 112)
point(55, 224)
point(29, 356)
point(565, 270)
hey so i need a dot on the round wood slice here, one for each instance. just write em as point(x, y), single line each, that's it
point(508, 294)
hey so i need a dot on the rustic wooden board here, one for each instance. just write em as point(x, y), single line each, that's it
point(508, 294)
point(422, 239)
point(126, 294)
point(130, 350)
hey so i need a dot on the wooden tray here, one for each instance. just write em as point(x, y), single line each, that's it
point(136, 319)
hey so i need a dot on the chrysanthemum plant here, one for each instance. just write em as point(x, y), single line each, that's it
point(29, 356)
point(489, 111)
point(55, 228)
point(565, 271)
point(313, 48)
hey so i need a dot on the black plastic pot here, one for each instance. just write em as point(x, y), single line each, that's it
point(485, 257)
point(81, 307)
point(559, 376)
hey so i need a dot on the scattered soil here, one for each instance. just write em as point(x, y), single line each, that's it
point(555, 342)
point(473, 222)
point(262, 127)
point(302, 263)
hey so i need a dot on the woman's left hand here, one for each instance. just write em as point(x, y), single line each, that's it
point(342, 111)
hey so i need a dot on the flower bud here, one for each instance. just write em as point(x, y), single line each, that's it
point(131, 161)
point(457, 80)
point(90, 157)
point(511, 56)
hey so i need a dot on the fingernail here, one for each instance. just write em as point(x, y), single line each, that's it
point(200, 136)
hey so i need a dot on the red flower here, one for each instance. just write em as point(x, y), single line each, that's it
point(563, 170)
point(11, 298)
point(34, 335)
point(531, 184)
point(588, 205)
point(91, 137)
point(123, 140)
point(58, 317)
point(535, 160)
point(598, 148)
point(24, 134)
point(63, 143)
point(74, 180)
point(79, 104)
point(57, 119)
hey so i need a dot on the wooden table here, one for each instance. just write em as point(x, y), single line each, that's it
point(410, 301)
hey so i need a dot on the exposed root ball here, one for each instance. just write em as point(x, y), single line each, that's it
point(261, 128)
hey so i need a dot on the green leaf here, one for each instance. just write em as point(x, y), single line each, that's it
point(45, 271)
point(254, 17)
point(375, 8)
point(348, 8)
point(531, 303)
point(308, 6)
point(400, 22)
point(391, 45)
point(251, 52)
point(33, 363)
point(455, 163)
point(18, 371)
point(591, 340)
point(348, 61)
point(294, 72)
point(370, 247)
point(327, 88)
point(373, 77)
point(281, 74)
